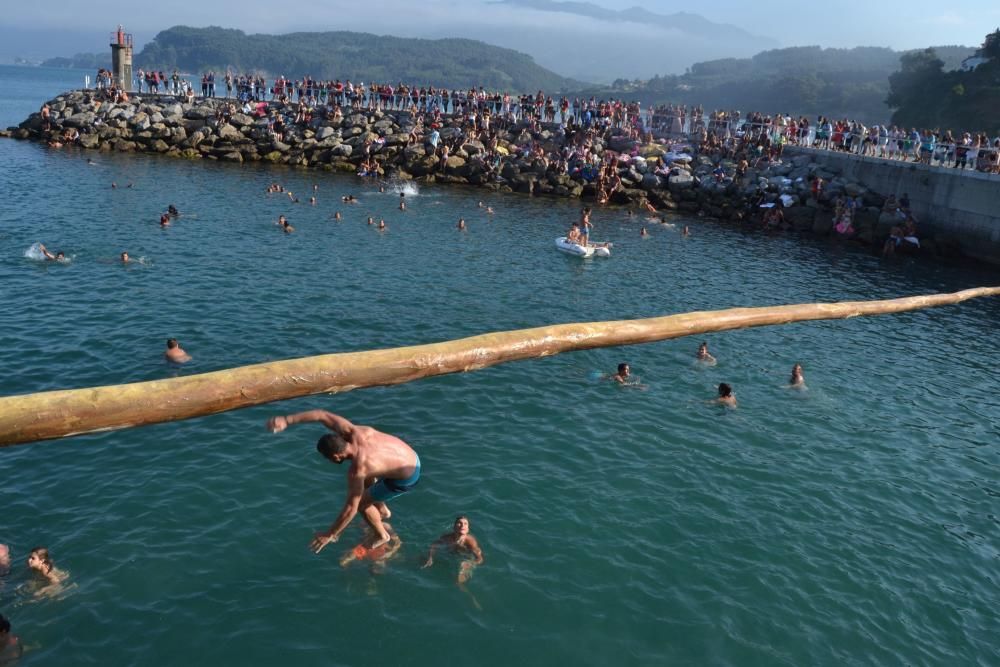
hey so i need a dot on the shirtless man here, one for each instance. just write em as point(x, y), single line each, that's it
point(797, 379)
point(10, 645)
point(175, 354)
point(59, 256)
point(374, 456)
point(621, 377)
point(573, 235)
point(726, 396)
point(125, 258)
point(704, 355)
point(460, 541)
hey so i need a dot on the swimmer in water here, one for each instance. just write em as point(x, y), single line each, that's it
point(40, 562)
point(10, 645)
point(348, 199)
point(164, 220)
point(686, 231)
point(621, 377)
point(287, 227)
point(726, 396)
point(175, 354)
point(402, 204)
point(172, 210)
point(480, 204)
point(58, 257)
point(125, 258)
point(4, 560)
point(462, 542)
point(379, 555)
point(381, 225)
point(461, 224)
point(315, 187)
point(797, 379)
point(489, 210)
point(312, 201)
point(371, 220)
point(643, 232)
point(704, 355)
point(281, 221)
point(338, 216)
point(114, 185)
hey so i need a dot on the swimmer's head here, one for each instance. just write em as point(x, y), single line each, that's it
point(725, 391)
point(172, 343)
point(462, 524)
point(124, 256)
point(332, 447)
point(623, 369)
point(60, 255)
point(4, 626)
point(39, 559)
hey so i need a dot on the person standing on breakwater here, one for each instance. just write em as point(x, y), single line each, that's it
point(383, 467)
point(175, 354)
point(460, 541)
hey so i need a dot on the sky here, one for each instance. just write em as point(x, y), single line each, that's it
point(845, 23)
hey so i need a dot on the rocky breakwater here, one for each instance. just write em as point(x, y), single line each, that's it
point(651, 174)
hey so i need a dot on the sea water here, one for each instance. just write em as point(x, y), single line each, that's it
point(851, 523)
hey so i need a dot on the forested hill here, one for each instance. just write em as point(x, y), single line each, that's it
point(809, 80)
point(452, 63)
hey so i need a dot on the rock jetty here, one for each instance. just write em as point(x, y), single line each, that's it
point(650, 173)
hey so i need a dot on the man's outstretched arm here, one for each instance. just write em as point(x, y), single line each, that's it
point(335, 423)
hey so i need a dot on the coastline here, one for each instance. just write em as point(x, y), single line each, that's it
point(527, 157)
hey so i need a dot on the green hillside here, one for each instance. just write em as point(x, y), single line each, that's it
point(808, 80)
point(453, 63)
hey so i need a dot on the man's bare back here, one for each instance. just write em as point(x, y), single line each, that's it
point(382, 468)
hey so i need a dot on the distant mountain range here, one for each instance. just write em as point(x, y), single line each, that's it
point(452, 63)
point(586, 41)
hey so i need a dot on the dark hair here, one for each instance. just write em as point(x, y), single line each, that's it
point(622, 367)
point(725, 390)
point(4, 624)
point(171, 343)
point(330, 445)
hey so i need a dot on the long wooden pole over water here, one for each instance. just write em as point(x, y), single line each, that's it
point(58, 414)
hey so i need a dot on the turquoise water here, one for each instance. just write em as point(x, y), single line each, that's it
point(854, 523)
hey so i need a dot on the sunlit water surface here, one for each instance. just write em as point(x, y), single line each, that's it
point(854, 523)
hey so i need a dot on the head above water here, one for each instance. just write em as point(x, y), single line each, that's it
point(462, 524)
point(172, 343)
point(332, 447)
point(623, 369)
point(39, 559)
point(725, 391)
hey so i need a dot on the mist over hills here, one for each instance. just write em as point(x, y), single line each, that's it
point(350, 55)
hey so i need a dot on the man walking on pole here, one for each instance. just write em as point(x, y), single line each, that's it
point(382, 468)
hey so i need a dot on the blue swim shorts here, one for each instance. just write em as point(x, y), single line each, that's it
point(387, 489)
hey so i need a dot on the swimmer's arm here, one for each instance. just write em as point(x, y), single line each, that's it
point(473, 546)
point(433, 547)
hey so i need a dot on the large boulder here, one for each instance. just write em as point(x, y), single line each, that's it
point(229, 133)
point(84, 119)
point(680, 180)
point(454, 163)
point(801, 218)
point(342, 150)
point(325, 133)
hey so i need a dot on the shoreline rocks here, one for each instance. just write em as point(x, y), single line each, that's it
point(161, 124)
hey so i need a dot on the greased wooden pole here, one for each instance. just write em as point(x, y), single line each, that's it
point(59, 414)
